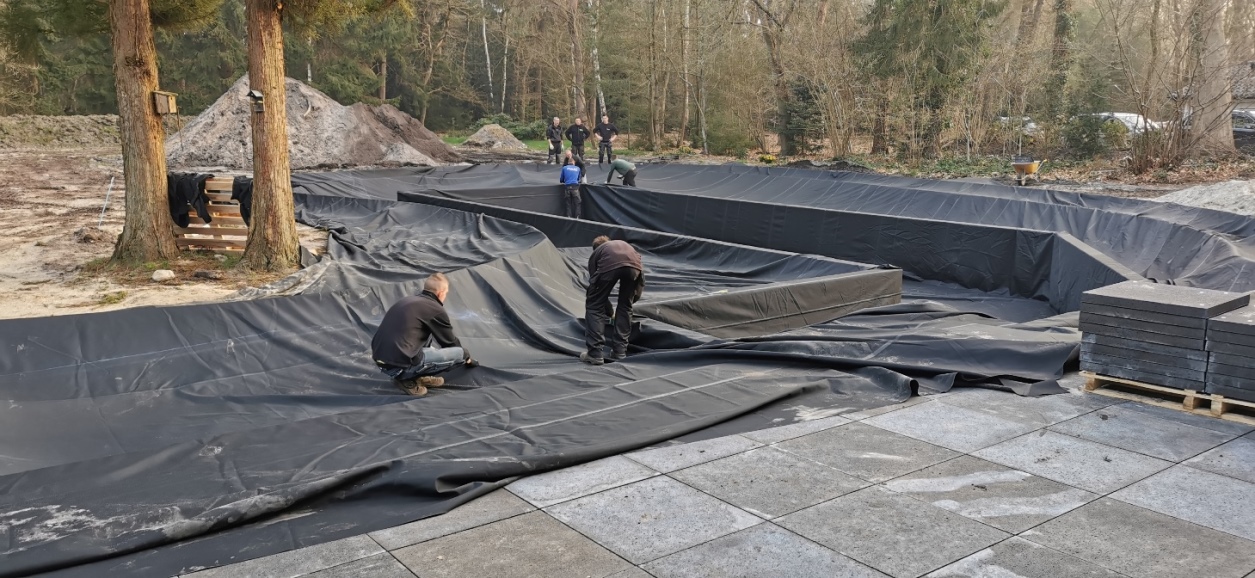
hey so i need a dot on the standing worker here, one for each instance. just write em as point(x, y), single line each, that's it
point(612, 263)
point(606, 134)
point(554, 134)
point(401, 346)
point(577, 134)
point(628, 170)
point(570, 180)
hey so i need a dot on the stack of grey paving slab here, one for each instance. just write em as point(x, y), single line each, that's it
point(1231, 350)
point(1151, 333)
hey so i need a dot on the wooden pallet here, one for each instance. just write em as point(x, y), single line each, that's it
point(1217, 406)
point(227, 233)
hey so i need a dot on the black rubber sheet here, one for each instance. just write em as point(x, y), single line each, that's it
point(156, 440)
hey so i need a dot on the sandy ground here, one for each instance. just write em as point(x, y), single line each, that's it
point(48, 200)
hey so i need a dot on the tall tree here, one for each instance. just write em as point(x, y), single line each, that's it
point(1211, 118)
point(272, 240)
point(1060, 58)
point(773, 22)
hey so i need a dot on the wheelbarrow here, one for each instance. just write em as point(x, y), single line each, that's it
point(1025, 168)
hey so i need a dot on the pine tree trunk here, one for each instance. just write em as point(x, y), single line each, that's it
point(594, 14)
point(272, 241)
point(483, 26)
point(1212, 118)
point(880, 132)
point(1060, 58)
point(383, 77)
point(575, 25)
point(148, 232)
point(684, 73)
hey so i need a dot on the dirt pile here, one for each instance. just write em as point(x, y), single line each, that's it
point(494, 136)
point(322, 133)
point(59, 132)
point(1232, 196)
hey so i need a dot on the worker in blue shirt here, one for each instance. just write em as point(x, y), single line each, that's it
point(570, 179)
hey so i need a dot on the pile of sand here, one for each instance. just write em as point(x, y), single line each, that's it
point(322, 133)
point(494, 136)
point(59, 132)
point(1232, 196)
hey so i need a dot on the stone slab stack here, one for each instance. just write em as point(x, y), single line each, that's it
point(1231, 354)
point(1152, 333)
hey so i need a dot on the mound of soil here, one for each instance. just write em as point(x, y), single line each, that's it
point(494, 136)
point(322, 133)
point(59, 132)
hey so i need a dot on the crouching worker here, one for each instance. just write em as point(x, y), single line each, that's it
point(401, 345)
point(628, 170)
point(612, 263)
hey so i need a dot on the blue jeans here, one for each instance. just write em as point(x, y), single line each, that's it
point(434, 361)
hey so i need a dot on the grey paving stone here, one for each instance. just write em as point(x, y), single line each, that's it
point(890, 532)
point(1199, 421)
point(377, 566)
point(671, 458)
point(495, 506)
point(859, 415)
point(1018, 558)
point(1237, 321)
point(764, 550)
point(1002, 497)
point(950, 426)
point(788, 432)
point(1235, 459)
point(1143, 433)
point(298, 562)
point(1037, 411)
point(570, 483)
point(1104, 341)
point(769, 482)
point(1138, 542)
point(1212, 500)
point(868, 452)
point(1170, 299)
point(524, 546)
point(1075, 462)
point(653, 518)
point(633, 572)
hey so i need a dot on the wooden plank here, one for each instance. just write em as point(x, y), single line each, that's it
point(214, 231)
point(185, 242)
point(220, 197)
point(225, 220)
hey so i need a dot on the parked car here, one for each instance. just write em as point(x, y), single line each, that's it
point(1024, 124)
point(1136, 123)
point(1244, 128)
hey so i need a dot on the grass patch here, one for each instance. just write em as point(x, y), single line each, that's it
point(453, 140)
point(110, 298)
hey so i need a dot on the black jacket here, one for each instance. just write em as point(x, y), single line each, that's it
point(410, 325)
point(242, 191)
point(554, 133)
point(577, 133)
point(605, 131)
point(187, 191)
point(613, 255)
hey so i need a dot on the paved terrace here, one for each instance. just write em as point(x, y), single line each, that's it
point(970, 483)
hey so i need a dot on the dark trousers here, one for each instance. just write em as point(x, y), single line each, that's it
point(573, 200)
point(597, 310)
point(630, 178)
point(555, 152)
point(604, 150)
point(577, 150)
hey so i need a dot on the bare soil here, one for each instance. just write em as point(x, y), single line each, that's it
point(54, 243)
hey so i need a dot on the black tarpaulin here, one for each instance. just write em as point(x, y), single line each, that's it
point(150, 441)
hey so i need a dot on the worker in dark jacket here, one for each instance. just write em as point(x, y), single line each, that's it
point(577, 134)
point(402, 344)
point(612, 263)
point(628, 170)
point(606, 134)
point(570, 180)
point(554, 134)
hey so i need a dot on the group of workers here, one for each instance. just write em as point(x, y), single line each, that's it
point(415, 341)
point(573, 166)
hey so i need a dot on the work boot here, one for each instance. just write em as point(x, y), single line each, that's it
point(618, 355)
point(411, 387)
point(431, 381)
point(586, 358)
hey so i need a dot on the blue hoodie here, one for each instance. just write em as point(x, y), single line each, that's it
point(570, 175)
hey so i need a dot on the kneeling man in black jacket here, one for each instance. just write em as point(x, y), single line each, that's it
point(402, 344)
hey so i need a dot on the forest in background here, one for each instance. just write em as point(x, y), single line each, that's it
point(910, 78)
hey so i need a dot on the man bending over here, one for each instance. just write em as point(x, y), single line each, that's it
point(628, 170)
point(612, 263)
point(402, 344)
